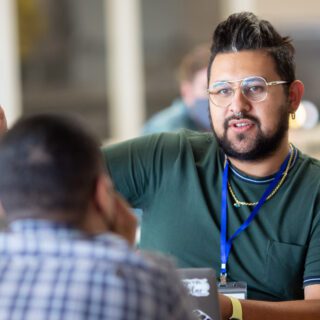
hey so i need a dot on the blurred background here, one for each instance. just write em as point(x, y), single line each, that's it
point(113, 62)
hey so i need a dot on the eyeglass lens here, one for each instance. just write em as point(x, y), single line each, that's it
point(253, 88)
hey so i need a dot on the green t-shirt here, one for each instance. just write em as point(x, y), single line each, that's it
point(176, 178)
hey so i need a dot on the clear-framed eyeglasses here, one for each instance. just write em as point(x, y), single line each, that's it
point(254, 88)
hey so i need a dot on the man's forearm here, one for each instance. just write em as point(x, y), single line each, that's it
point(263, 310)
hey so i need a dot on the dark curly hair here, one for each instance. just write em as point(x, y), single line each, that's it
point(48, 163)
point(244, 31)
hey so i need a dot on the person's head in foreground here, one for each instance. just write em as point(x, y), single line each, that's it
point(62, 256)
point(52, 169)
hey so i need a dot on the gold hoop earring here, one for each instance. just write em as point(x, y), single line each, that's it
point(293, 115)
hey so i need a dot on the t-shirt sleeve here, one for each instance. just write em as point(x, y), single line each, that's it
point(312, 266)
point(136, 166)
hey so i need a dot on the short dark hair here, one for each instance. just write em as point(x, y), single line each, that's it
point(48, 163)
point(244, 31)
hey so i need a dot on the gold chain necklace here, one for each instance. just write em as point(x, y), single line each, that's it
point(237, 203)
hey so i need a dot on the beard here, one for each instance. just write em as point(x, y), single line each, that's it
point(263, 145)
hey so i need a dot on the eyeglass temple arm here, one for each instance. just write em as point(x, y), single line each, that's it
point(273, 83)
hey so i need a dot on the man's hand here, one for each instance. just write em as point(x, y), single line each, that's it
point(265, 310)
point(109, 212)
point(125, 222)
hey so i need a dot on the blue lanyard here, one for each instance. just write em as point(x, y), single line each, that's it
point(225, 244)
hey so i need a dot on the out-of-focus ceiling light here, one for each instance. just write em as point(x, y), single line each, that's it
point(307, 116)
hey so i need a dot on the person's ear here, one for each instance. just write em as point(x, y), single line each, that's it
point(113, 210)
point(103, 197)
point(296, 91)
point(98, 217)
point(125, 222)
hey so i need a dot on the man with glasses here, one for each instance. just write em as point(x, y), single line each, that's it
point(242, 200)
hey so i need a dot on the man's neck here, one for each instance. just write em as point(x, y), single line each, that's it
point(264, 167)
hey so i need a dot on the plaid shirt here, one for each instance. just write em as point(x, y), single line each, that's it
point(49, 271)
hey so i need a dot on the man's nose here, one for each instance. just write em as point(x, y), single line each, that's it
point(239, 102)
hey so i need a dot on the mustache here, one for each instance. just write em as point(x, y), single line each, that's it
point(244, 116)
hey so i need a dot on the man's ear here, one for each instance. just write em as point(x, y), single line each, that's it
point(125, 221)
point(116, 214)
point(100, 215)
point(296, 91)
point(102, 196)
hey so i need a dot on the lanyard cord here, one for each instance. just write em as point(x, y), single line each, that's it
point(225, 244)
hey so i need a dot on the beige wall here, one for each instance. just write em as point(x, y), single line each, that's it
point(306, 140)
point(289, 11)
point(279, 12)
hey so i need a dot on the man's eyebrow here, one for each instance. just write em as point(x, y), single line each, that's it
point(223, 80)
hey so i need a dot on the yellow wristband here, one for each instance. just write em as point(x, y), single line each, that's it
point(236, 309)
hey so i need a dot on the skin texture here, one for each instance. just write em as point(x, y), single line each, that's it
point(262, 117)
